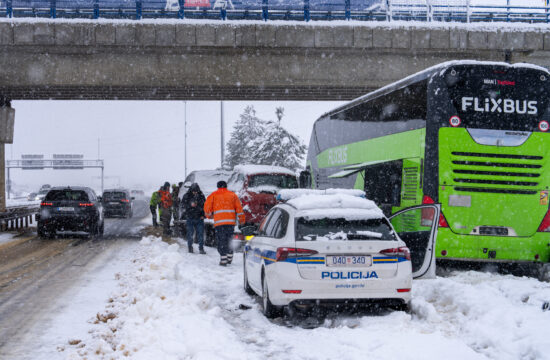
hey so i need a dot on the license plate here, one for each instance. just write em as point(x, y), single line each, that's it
point(67, 209)
point(349, 260)
point(460, 200)
point(113, 203)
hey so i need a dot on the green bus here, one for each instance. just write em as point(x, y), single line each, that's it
point(469, 135)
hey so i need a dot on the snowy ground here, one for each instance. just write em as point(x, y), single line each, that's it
point(20, 202)
point(6, 237)
point(167, 304)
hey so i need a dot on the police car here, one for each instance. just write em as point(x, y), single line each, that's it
point(334, 247)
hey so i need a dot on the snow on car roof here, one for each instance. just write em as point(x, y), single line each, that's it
point(257, 169)
point(288, 194)
point(335, 206)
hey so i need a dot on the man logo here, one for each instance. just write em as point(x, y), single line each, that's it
point(455, 121)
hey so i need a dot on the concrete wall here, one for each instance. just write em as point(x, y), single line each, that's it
point(140, 60)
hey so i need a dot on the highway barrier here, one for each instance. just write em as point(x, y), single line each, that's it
point(18, 217)
point(301, 10)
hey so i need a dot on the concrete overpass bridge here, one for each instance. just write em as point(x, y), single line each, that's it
point(57, 59)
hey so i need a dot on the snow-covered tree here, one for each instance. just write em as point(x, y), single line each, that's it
point(259, 142)
point(279, 147)
point(245, 131)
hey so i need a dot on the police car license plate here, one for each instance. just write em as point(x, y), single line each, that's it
point(113, 203)
point(65, 209)
point(349, 260)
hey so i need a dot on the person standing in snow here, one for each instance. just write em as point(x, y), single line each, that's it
point(226, 209)
point(165, 207)
point(153, 204)
point(175, 202)
point(193, 202)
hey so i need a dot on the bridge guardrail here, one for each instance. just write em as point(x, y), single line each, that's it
point(305, 10)
point(17, 217)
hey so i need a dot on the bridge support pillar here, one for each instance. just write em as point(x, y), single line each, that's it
point(7, 119)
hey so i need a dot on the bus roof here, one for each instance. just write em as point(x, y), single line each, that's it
point(424, 75)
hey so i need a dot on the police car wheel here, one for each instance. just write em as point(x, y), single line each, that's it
point(247, 288)
point(269, 310)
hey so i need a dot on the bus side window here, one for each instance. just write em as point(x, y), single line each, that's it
point(383, 184)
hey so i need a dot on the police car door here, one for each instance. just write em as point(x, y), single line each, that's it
point(255, 249)
point(417, 227)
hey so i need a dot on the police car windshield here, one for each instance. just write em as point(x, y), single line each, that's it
point(327, 229)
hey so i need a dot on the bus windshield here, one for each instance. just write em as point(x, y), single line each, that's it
point(496, 97)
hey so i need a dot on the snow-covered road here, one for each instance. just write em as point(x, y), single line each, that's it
point(168, 304)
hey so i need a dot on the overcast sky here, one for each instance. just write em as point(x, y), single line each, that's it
point(142, 142)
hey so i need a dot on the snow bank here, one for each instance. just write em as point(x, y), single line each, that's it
point(497, 316)
point(263, 169)
point(175, 305)
point(288, 194)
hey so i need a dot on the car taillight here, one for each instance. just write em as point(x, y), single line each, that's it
point(125, 200)
point(46, 204)
point(85, 204)
point(545, 224)
point(402, 251)
point(428, 214)
point(238, 237)
point(292, 291)
point(284, 253)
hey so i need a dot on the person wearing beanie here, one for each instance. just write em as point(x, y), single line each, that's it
point(226, 209)
point(193, 202)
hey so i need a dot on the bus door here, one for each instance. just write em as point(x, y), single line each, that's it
point(417, 227)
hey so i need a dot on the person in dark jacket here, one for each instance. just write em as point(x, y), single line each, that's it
point(193, 202)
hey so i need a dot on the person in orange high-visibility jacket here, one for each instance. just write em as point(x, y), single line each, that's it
point(225, 208)
point(165, 207)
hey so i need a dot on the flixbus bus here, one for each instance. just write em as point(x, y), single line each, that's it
point(472, 136)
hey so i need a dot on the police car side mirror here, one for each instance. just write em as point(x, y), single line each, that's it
point(249, 231)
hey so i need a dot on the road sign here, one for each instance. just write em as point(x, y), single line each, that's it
point(68, 161)
point(32, 162)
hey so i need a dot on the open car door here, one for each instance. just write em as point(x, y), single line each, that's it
point(417, 227)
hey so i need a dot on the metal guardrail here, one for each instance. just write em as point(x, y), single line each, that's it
point(303, 10)
point(17, 217)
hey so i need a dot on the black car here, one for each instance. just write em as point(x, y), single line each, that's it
point(70, 209)
point(117, 202)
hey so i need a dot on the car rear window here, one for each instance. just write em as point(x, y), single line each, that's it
point(280, 181)
point(115, 195)
point(328, 229)
point(70, 195)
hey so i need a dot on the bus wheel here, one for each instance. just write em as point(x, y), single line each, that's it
point(544, 272)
